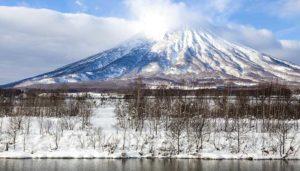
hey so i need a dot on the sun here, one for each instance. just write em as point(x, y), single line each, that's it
point(155, 18)
point(154, 24)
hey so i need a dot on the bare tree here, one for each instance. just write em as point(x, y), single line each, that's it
point(57, 134)
point(176, 130)
point(96, 136)
point(123, 120)
point(198, 125)
point(14, 127)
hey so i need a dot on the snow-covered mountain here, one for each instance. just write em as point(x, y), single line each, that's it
point(193, 55)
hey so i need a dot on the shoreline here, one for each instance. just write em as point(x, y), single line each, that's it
point(84, 156)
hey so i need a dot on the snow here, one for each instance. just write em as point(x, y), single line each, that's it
point(104, 118)
point(194, 51)
point(151, 68)
point(77, 143)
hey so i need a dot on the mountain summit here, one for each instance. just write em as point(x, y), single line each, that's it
point(193, 55)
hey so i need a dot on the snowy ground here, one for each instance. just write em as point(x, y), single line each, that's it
point(45, 138)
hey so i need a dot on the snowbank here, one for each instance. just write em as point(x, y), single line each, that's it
point(45, 138)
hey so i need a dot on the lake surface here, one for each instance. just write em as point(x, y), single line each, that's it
point(147, 165)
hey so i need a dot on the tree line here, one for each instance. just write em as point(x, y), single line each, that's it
point(270, 109)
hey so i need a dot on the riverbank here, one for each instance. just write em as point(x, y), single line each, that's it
point(93, 154)
point(103, 139)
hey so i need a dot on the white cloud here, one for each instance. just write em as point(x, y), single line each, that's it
point(282, 8)
point(156, 17)
point(81, 5)
point(288, 8)
point(223, 6)
point(33, 41)
point(290, 50)
point(218, 11)
point(262, 40)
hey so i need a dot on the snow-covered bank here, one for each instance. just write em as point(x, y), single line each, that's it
point(65, 138)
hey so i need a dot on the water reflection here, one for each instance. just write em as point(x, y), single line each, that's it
point(147, 165)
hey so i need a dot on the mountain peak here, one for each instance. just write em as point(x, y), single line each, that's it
point(191, 54)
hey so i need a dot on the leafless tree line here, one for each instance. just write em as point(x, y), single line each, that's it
point(21, 107)
point(202, 117)
point(49, 105)
point(198, 117)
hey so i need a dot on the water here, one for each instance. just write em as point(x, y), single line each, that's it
point(147, 165)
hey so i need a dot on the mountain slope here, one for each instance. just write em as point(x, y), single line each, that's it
point(196, 55)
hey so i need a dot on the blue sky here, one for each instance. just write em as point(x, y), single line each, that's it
point(257, 13)
point(34, 40)
point(94, 7)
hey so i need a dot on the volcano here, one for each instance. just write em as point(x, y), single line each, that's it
point(194, 56)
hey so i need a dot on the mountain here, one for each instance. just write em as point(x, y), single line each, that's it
point(196, 56)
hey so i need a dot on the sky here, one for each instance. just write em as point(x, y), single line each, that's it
point(37, 36)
